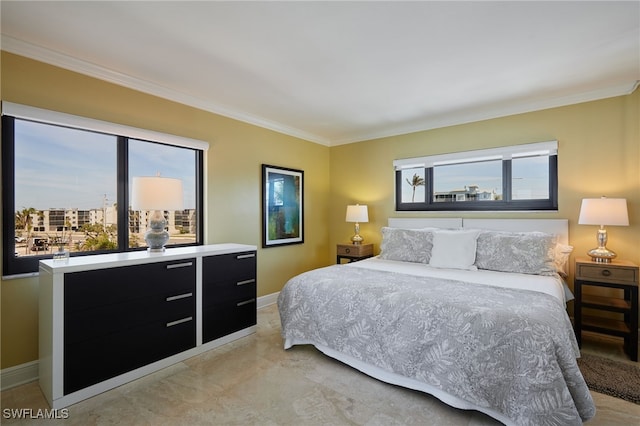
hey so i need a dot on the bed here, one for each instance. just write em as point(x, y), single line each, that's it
point(471, 311)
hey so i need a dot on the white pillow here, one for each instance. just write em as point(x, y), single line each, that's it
point(454, 249)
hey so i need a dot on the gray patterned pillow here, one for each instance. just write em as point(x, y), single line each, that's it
point(522, 252)
point(407, 245)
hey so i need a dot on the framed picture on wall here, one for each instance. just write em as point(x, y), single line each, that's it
point(282, 207)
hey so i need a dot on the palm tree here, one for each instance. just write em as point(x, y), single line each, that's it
point(24, 222)
point(23, 218)
point(415, 182)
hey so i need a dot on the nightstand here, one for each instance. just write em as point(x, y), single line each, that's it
point(620, 275)
point(353, 252)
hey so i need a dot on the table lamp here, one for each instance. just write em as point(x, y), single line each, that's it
point(157, 194)
point(603, 211)
point(357, 214)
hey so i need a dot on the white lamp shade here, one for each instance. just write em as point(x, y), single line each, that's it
point(357, 213)
point(604, 211)
point(156, 193)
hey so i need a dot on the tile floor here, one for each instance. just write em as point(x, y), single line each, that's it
point(253, 381)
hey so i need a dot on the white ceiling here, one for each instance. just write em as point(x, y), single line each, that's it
point(339, 72)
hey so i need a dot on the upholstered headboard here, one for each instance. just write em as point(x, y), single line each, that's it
point(558, 227)
point(418, 223)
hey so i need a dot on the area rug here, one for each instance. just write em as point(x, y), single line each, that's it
point(614, 378)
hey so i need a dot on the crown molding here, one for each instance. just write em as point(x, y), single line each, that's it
point(61, 60)
point(51, 57)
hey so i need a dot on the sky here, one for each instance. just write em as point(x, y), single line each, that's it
point(58, 167)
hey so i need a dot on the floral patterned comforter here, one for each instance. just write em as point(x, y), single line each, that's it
point(502, 350)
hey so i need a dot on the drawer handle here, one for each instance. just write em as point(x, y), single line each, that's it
point(606, 272)
point(179, 265)
point(246, 282)
point(246, 302)
point(348, 250)
point(179, 296)
point(245, 256)
point(180, 321)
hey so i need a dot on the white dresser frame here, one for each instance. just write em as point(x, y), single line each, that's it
point(51, 321)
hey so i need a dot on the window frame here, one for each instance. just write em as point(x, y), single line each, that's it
point(17, 266)
point(548, 149)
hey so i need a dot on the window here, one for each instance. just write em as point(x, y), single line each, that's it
point(65, 179)
point(171, 161)
point(520, 177)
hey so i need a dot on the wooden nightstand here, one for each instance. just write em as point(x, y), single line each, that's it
point(620, 275)
point(353, 252)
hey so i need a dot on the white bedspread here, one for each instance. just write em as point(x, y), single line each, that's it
point(474, 339)
point(551, 285)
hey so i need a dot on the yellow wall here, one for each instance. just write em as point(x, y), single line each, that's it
point(599, 154)
point(236, 152)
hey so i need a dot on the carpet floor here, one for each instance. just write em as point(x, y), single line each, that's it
point(614, 378)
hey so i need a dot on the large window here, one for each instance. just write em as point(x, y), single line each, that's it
point(520, 177)
point(67, 178)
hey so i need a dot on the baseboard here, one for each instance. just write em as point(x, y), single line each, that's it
point(18, 375)
point(28, 372)
point(269, 299)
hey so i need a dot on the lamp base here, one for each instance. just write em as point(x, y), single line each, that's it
point(156, 240)
point(357, 239)
point(156, 236)
point(601, 255)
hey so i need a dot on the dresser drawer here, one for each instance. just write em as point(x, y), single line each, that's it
point(90, 324)
point(221, 319)
point(102, 287)
point(228, 291)
point(94, 361)
point(229, 267)
point(228, 278)
point(606, 273)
